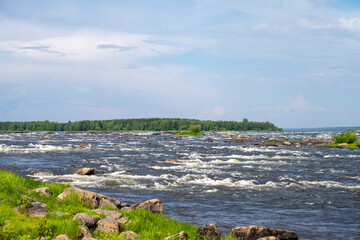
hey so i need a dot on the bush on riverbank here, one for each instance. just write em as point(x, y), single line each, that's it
point(19, 225)
point(346, 137)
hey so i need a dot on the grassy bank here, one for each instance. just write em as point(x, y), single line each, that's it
point(19, 225)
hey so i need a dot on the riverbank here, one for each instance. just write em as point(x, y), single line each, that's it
point(30, 209)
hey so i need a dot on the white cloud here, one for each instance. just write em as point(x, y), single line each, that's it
point(297, 104)
point(218, 111)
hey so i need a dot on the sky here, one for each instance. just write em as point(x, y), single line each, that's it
point(295, 63)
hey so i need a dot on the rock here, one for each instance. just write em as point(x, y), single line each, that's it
point(62, 237)
point(269, 238)
point(120, 137)
point(106, 204)
point(85, 171)
point(286, 143)
point(87, 145)
point(108, 225)
point(209, 231)
point(169, 160)
point(129, 235)
point(45, 191)
point(341, 145)
point(179, 236)
point(124, 221)
point(85, 232)
point(255, 232)
point(61, 213)
point(33, 207)
point(153, 205)
point(145, 138)
point(297, 145)
point(94, 198)
point(110, 214)
point(85, 219)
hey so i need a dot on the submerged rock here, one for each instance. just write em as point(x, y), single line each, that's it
point(85, 171)
point(256, 232)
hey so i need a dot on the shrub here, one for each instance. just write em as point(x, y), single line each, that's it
point(346, 137)
point(195, 128)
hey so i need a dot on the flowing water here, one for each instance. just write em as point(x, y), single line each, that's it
point(313, 191)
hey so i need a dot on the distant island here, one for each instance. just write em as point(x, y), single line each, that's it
point(139, 124)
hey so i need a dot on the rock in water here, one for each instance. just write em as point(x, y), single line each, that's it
point(85, 171)
point(209, 231)
point(256, 232)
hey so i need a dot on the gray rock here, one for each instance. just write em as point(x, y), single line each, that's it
point(255, 232)
point(108, 225)
point(179, 236)
point(153, 205)
point(209, 231)
point(62, 237)
point(129, 235)
point(45, 191)
point(85, 219)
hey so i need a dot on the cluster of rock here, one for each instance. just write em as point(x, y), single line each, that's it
point(114, 221)
point(258, 140)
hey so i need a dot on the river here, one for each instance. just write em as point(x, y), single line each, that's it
point(313, 191)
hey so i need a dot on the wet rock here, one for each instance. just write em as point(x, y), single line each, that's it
point(45, 191)
point(169, 160)
point(94, 198)
point(255, 232)
point(145, 138)
point(87, 145)
point(153, 205)
point(209, 231)
point(108, 225)
point(179, 236)
point(62, 237)
point(269, 238)
point(129, 235)
point(120, 136)
point(85, 219)
point(85, 171)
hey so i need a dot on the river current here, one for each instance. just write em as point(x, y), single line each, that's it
point(210, 179)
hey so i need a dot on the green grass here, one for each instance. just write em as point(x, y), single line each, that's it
point(190, 133)
point(21, 226)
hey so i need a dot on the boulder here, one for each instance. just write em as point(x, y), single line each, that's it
point(129, 235)
point(108, 225)
point(179, 236)
point(87, 145)
point(209, 231)
point(124, 221)
point(106, 204)
point(85, 219)
point(145, 138)
point(62, 237)
point(85, 232)
point(61, 213)
point(94, 198)
point(153, 205)
point(45, 191)
point(85, 171)
point(269, 238)
point(110, 214)
point(255, 232)
point(33, 207)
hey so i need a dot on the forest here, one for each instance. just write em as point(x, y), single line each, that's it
point(140, 124)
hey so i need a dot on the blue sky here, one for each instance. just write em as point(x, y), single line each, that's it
point(294, 63)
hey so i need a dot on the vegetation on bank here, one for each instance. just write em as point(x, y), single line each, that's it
point(143, 124)
point(347, 139)
point(19, 225)
point(193, 130)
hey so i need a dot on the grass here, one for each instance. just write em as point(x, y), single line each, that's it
point(190, 133)
point(21, 226)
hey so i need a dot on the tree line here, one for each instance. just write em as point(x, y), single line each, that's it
point(141, 124)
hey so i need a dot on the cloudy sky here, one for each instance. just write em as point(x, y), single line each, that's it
point(295, 63)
